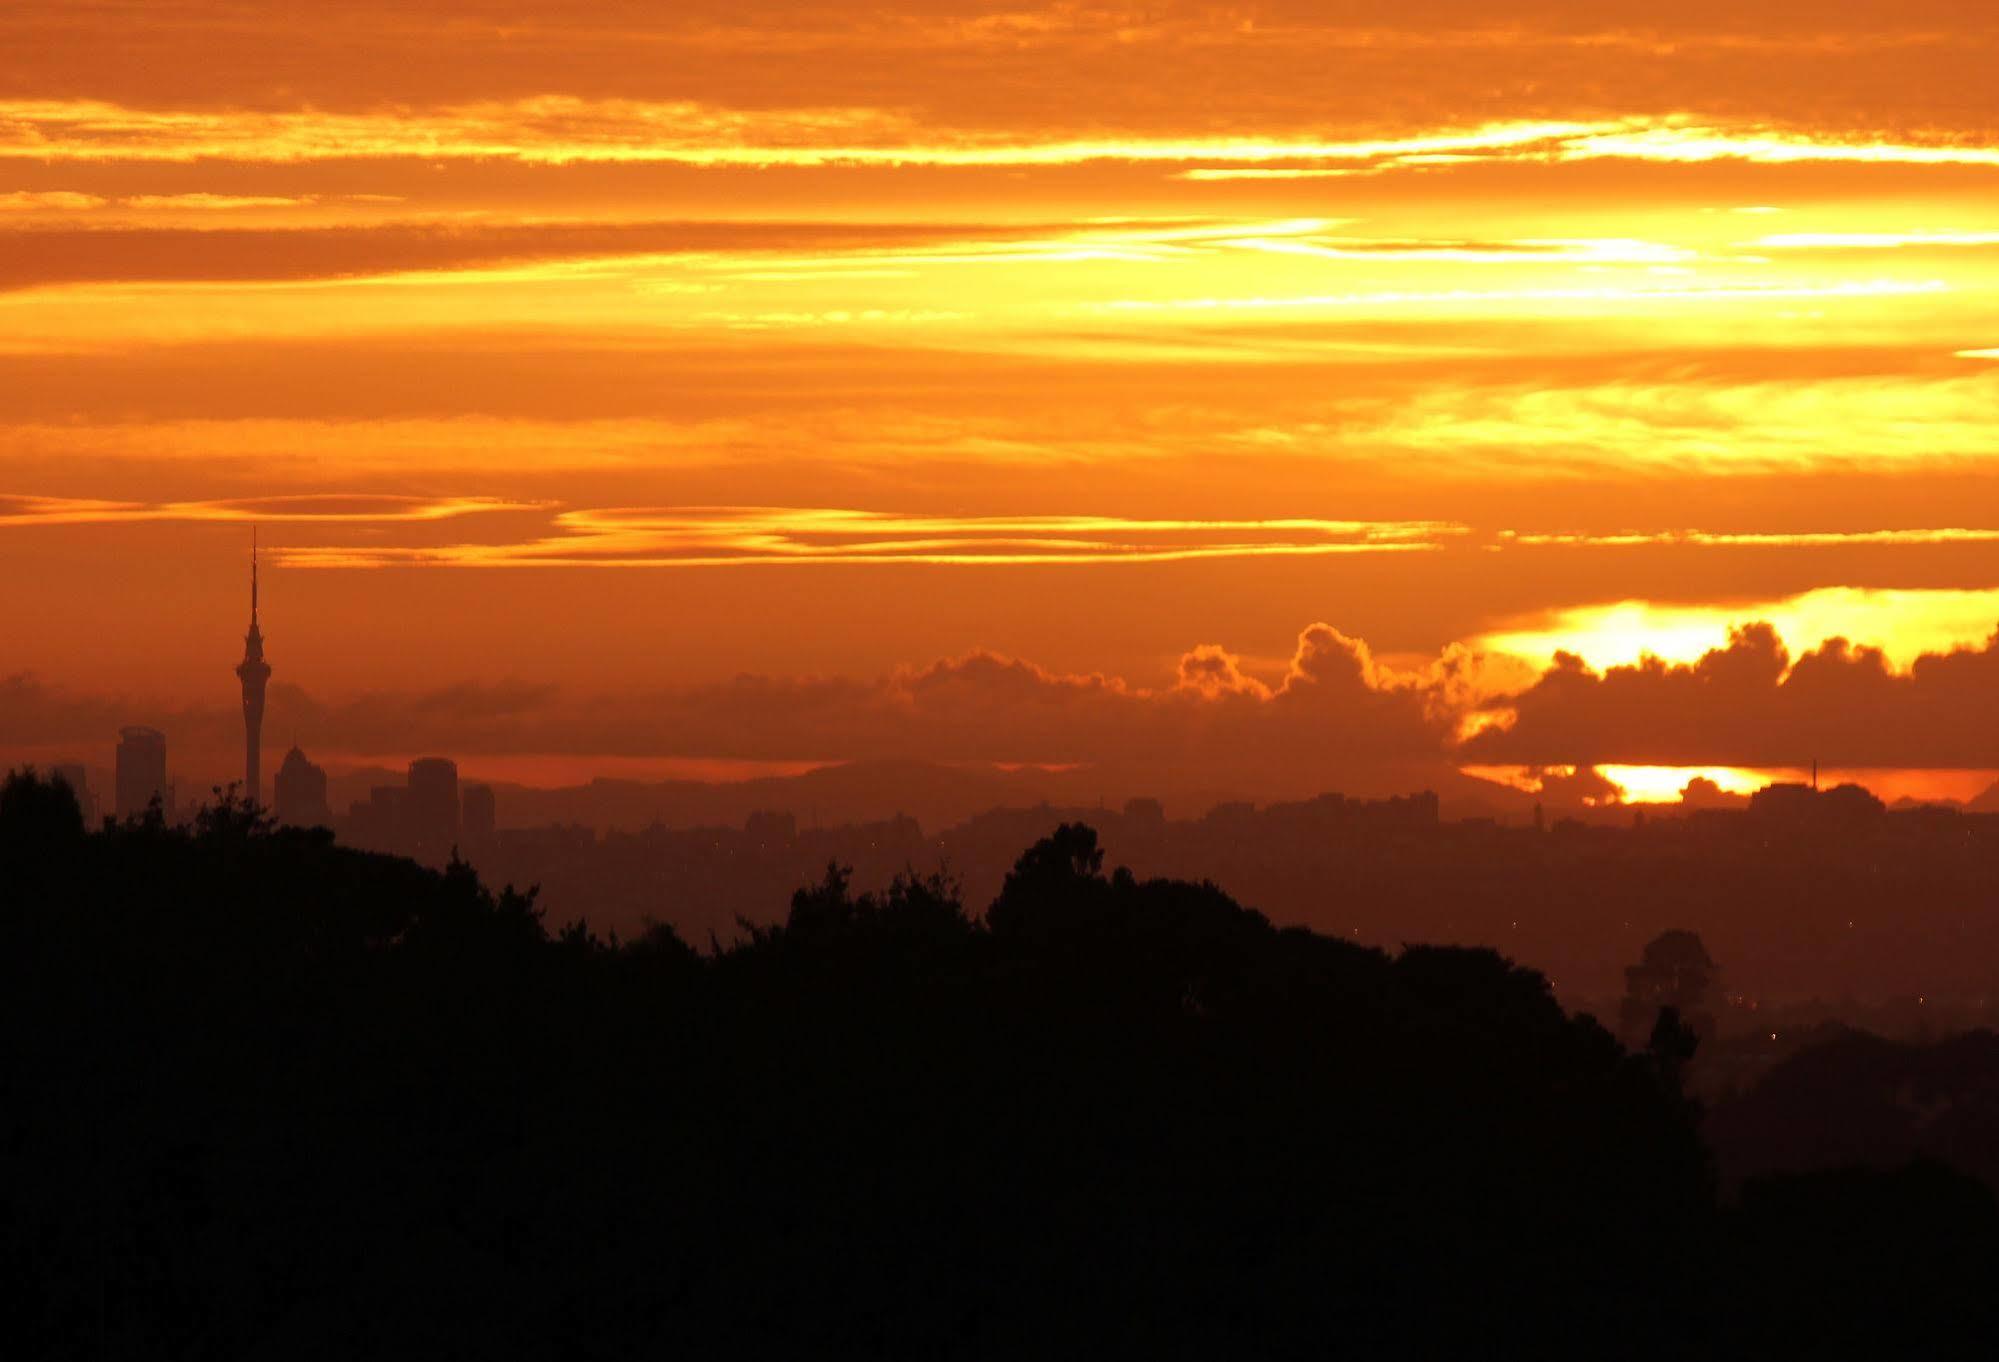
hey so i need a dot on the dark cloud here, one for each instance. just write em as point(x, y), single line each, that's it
point(1703, 793)
point(1751, 704)
point(33, 714)
point(1584, 785)
point(1335, 719)
point(1213, 671)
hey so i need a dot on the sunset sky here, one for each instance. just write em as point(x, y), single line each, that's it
point(1273, 386)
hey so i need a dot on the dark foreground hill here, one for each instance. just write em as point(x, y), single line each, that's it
point(266, 1096)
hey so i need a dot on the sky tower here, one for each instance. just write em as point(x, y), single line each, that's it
point(253, 672)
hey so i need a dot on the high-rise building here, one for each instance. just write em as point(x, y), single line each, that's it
point(142, 770)
point(433, 806)
point(298, 793)
point(77, 778)
point(377, 822)
point(478, 813)
point(253, 672)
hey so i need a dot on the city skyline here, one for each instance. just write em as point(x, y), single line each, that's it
point(1474, 757)
point(384, 817)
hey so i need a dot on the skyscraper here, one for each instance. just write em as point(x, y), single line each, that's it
point(477, 813)
point(299, 793)
point(142, 770)
point(253, 672)
point(433, 806)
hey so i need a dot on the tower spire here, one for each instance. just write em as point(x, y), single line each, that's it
point(253, 672)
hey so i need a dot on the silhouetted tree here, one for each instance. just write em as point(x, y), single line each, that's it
point(277, 1097)
point(1057, 887)
point(37, 813)
point(1674, 972)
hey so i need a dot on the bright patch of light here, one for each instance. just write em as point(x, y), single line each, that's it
point(1903, 624)
point(1663, 784)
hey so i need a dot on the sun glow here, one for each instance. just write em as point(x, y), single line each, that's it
point(566, 130)
point(1632, 784)
point(1669, 785)
point(1904, 624)
point(1664, 784)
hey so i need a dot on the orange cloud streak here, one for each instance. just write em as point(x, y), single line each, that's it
point(564, 129)
point(764, 536)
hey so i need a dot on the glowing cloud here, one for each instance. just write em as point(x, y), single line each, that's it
point(1903, 624)
point(564, 129)
point(727, 536)
point(21, 511)
point(48, 200)
point(1783, 539)
point(1871, 241)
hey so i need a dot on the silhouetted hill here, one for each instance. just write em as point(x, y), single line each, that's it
point(935, 795)
point(1857, 1100)
point(1833, 898)
point(277, 1097)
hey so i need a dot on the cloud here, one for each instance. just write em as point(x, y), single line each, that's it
point(35, 715)
point(561, 129)
point(1580, 785)
point(1211, 671)
point(762, 536)
point(216, 203)
point(1578, 251)
point(1704, 793)
point(54, 255)
point(329, 509)
point(1751, 703)
point(1906, 421)
point(1871, 241)
point(1904, 624)
point(1335, 716)
point(1593, 293)
point(48, 200)
point(1755, 539)
point(382, 405)
point(1031, 65)
point(765, 251)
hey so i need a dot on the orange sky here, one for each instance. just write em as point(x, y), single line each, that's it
point(590, 363)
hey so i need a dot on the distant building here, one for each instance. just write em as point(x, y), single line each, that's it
point(379, 821)
point(770, 828)
point(1145, 812)
point(478, 813)
point(1800, 805)
point(1789, 800)
point(1231, 813)
point(432, 807)
point(142, 770)
point(299, 793)
point(77, 778)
